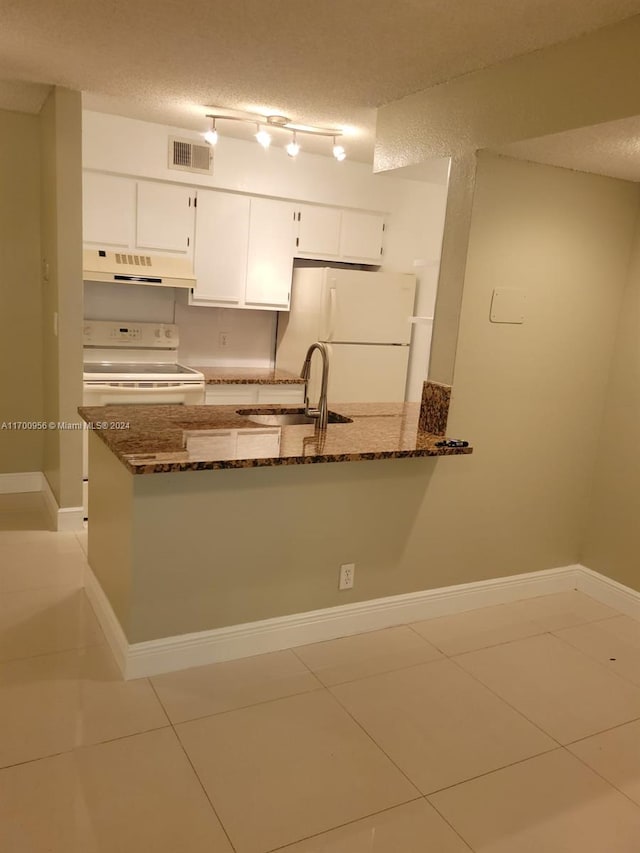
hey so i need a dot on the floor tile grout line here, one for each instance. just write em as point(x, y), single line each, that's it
point(502, 699)
point(517, 639)
point(599, 663)
point(448, 822)
point(522, 714)
point(240, 707)
point(55, 652)
point(600, 776)
point(602, 732)
point(494, 770)
point(374, 674)
point(284, 847)
point(360, 634)
point(373, 741)
point(80, 746)
point(200, 782)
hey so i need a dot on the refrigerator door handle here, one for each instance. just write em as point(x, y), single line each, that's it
point(333, 297)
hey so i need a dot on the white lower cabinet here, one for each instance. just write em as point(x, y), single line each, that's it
point(244, 395)
point(234, 443)
point(244, 252)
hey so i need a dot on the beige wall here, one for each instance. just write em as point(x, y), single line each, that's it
point(20, 296)
point(61, 234)
point(222, 547)
point(531, 396)
point(612, 529)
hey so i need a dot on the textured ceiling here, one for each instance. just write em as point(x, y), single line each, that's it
point(611, 148)
point(22, 97)
point(327, 62)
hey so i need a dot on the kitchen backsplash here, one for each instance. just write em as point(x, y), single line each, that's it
point(208, 336)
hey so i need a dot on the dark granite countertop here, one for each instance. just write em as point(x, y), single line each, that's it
point(247, 376)
point(161, 439)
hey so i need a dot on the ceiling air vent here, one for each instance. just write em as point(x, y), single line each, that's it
point(189, 156)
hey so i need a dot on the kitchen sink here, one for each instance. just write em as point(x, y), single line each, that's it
point(288, 417)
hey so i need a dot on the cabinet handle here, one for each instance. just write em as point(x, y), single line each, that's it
point(188, 238)
point(299, 215)
point(297, 241)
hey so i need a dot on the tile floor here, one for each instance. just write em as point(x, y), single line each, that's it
point(512, 729)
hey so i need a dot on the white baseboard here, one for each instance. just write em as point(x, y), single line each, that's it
point(108, 621)
point(65, 520)
point(610, 592)
point(180, 652)
point(268, 635)
point(26, 481)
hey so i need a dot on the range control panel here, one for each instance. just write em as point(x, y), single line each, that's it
point(111, 333)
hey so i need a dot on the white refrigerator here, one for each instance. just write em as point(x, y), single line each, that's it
point(365, 317)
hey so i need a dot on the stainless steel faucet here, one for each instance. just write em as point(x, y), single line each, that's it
point(322, 412)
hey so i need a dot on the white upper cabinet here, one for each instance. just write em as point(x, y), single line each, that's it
point(318, 231)
point(222, 239)
point(361, 235)
point(164, 217)
point(243, 252)
point(270, 255)
point(129, 214)
point(329, 233)
point(109, 209)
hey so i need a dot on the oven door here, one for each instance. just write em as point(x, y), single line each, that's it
point(106, 394)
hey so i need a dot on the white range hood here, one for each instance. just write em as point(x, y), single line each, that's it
point(123, 267)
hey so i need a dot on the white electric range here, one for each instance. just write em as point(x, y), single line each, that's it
point(134, 363)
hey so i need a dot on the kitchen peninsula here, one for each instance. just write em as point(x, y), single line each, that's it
point(201, 547)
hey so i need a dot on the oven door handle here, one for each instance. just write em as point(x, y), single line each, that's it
point(91, 385)
point(103, 394)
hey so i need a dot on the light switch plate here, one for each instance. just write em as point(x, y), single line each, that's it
point(508, 305)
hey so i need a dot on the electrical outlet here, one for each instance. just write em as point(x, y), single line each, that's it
point(223, 339)
point(347, 572)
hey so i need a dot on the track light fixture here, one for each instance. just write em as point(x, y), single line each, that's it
point(212, 135)
point(293, 148)
point(263, 137)
point(277, 122)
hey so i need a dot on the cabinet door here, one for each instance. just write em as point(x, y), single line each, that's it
point(221, 241)
point(361, 235)
point(164, 217)
point(108, 210)
point(270, 254)
point(318, 230)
